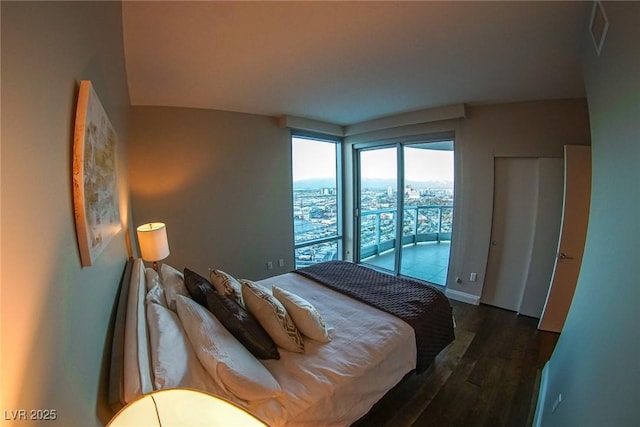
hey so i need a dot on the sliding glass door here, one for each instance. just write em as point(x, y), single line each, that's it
point(415, 179)
point(378, 206)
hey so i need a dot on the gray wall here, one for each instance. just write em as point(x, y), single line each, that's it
point(220, 181)
point(595, 364)
point(55, 314)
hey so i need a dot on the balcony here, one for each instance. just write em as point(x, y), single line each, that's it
point(426, 241)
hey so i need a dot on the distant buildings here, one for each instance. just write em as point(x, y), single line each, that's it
point(428, 213)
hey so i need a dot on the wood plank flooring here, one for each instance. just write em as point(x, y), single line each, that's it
point(489, 376)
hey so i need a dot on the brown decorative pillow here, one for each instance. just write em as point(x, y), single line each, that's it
point(197, 286)
point(242, 325)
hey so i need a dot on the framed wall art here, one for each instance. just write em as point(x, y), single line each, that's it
point(95, 176)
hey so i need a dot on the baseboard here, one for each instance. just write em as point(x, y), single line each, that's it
point(462, 296)
point(542, 395)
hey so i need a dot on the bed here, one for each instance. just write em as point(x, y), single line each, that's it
point(361, 351)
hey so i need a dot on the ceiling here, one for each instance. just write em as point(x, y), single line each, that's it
point(348, 62)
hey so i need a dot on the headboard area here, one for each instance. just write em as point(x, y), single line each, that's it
point(130, 372)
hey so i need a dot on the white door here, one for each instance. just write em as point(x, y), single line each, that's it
point(524, 235)
point(513, 228)
point(575, 219)
point(545, 239)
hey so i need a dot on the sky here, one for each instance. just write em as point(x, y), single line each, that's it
point(316, 159)
point(313, 159)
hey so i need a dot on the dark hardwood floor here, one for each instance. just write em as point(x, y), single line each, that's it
point(489, 376)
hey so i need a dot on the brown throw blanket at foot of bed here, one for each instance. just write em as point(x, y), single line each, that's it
point(422, 306)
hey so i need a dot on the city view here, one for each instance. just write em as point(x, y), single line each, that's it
point(315, 217)
point(428, 216)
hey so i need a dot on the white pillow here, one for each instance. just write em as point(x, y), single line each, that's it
point(226, 284)
point(272, 316)
point(156, 296)
point(228, 362)
point(304, 314)
point(173, 359)
point(173, 284)
point(152, 278)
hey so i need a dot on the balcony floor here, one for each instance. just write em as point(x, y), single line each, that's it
point(424, 261)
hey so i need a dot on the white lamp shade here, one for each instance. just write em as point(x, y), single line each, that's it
point(184, 408)
point(152, 238)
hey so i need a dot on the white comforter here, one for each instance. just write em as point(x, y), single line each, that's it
point(336, 383)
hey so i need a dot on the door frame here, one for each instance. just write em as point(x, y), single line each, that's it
point(358, 199)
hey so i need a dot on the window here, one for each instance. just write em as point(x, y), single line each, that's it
point(317, 207)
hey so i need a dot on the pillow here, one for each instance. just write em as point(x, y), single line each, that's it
point(225, 359)
point(197, 286)
point(173, 284)
point(304, 315)
point(272, 316)
point(242, 325)
point(173, 360)
point(152, 278)
point(226, 284)
point(156, 296)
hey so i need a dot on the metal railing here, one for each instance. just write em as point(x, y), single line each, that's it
point(425, 223)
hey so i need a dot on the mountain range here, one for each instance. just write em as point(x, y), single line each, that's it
point(375, 183)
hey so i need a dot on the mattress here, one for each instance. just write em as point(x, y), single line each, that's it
point(336, 383)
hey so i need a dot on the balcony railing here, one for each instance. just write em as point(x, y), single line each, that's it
point(426, 223)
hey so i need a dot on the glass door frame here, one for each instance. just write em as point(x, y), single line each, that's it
point(399, 144)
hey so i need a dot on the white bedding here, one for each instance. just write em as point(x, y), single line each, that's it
point(336, 383)
point(330, 384)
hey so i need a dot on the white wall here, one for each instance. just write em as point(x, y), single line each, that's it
point(55, 314)
point(221, 182)
point(595, 365)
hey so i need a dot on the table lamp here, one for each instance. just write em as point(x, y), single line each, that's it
point(154, 246)
point(184, 408)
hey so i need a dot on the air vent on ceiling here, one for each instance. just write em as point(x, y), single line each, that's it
point(598, 26)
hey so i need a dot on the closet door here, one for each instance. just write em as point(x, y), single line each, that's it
point(524, 235)
point(545, 240)
point(513, 227)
